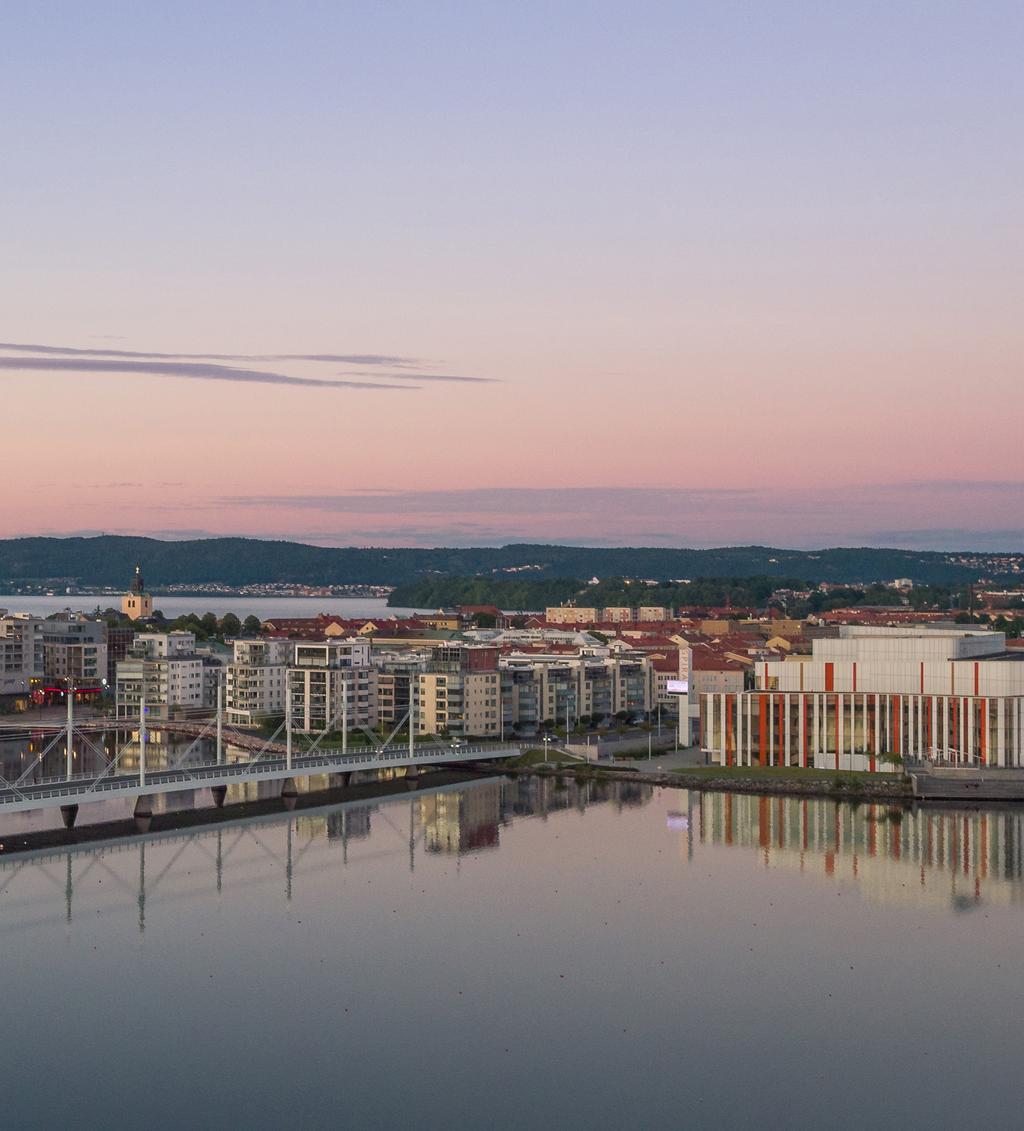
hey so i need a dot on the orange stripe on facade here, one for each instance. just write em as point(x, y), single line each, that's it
point(781, 753)
point(830, 677)
point(762, 730)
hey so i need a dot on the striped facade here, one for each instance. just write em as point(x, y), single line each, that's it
point(861, 731)
point(929, 856)
point(871, 712)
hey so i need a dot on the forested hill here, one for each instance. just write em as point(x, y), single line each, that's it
point(109, 560)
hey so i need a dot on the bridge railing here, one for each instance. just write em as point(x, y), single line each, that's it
point(239, 767)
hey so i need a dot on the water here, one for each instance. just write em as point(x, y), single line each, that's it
point(516, 954)
point(263, 607)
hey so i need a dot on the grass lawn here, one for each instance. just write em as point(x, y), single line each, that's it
point(768, 773)
point(538, 756)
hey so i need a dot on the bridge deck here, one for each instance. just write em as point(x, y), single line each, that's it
point(81, 789)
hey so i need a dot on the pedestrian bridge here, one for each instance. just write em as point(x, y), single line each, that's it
point(81, 789)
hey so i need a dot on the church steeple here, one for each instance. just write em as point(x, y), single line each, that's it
point(137, 603)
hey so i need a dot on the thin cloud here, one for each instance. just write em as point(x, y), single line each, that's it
point(367, 359)
point(418, 376)
point(333, 358)
point(206, 371)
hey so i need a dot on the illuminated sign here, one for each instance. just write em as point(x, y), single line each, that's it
point(677, 686)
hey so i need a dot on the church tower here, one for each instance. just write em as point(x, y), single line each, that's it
point(137, 603)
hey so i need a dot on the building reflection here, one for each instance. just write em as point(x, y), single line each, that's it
point(926, 856)
point(40, 883)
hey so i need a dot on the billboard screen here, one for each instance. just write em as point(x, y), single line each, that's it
point(677, 686)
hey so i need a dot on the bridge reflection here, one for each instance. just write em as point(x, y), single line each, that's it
point(927, 856)
point(40, 885)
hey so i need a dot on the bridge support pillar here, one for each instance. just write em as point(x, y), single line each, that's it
point(143, 813)
point(342, 780)
point(289, 794)
point(412, 777)
point(219, 793)
point(69, 814)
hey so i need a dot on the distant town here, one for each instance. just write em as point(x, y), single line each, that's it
point(844, 685)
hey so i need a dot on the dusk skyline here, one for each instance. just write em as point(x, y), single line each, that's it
point(682, 274)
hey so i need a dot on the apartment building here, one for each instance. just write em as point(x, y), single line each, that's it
point(397, 673)
point(873, 696)
point(610, 614)
point(165, 668)
point(570, 614)
point(459, 692)
point(332, 685)
point(21, 655)
point(75, 650)
point(562, 689)
point(256, 680)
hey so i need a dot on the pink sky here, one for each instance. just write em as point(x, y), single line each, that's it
point(797, 276)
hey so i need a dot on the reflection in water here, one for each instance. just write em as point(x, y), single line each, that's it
point(938, 857)
point(453, 820)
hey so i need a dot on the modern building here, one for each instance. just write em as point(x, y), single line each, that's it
point(564, 688)
point(397, 673)
point(331, 685)
point(873, 697)
point(75, 651)
point(165, 668)
point(459, 693)
point(256, 680)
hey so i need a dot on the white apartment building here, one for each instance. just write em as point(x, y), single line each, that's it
point(875, 696)
point(256, 680)
point(165, 667)
point(331, 685)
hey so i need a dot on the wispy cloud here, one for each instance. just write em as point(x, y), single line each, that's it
point(333, 358)
point(198, 371)
point(115, 360)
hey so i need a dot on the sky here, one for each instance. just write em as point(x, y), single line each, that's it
point(459, 273)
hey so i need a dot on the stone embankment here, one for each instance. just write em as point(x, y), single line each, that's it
point(841, 786)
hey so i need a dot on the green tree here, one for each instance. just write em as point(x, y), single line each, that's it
point(230, 625)
point(252, 625)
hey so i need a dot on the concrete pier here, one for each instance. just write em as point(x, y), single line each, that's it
point(289, 793)
point(219, 793)
point(143, 812)
point(69, 814)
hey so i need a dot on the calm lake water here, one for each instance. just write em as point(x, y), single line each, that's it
point(171, 607)
point(522, 954)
